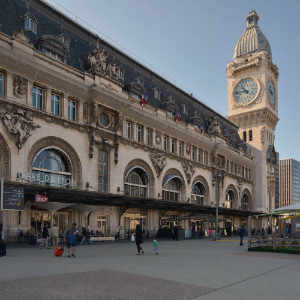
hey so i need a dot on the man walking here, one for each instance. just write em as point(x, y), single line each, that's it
point(241, 233)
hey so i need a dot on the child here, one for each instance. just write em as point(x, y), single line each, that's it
point(155, 247)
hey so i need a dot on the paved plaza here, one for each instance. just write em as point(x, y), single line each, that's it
point(184, 270)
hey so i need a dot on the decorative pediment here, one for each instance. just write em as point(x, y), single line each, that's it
point(158, 161)
point(19, 125)
point(188, 169)
point(99, 65)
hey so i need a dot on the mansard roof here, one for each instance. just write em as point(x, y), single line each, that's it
point(79, 43)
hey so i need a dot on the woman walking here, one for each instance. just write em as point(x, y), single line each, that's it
point(139, 239)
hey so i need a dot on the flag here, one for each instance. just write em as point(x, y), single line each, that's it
point(143, 101)
point(177, 117)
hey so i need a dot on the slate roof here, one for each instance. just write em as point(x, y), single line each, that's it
point(79, 42)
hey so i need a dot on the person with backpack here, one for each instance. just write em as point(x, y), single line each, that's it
point(70, 240)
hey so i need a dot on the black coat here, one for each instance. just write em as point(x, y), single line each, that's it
point(139, 237)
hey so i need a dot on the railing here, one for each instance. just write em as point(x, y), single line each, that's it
point(273, 242)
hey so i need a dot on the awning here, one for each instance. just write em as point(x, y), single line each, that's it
point(295, 207)
point(75, 196)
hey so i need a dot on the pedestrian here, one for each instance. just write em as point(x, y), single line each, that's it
point(176, 232)
point(54, 235)
point(84, 239)
point(241, 233)
point(70, 240)
point(45, 237)
point(139, 239)
point(2, 246)
point(155, 247)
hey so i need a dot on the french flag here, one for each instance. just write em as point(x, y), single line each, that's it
point(143, 101)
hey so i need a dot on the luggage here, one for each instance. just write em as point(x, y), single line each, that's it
point(58, 251)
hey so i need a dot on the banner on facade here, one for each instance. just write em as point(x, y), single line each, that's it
point(41, 198)
point(12, 197)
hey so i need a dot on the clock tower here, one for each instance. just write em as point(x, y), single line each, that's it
point(253, 102)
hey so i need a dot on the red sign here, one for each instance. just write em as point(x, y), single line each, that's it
point(41, 198)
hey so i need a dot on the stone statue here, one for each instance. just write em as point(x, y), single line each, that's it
point(214, 127)
point(18, 124)
point(159, 162)
point(20, 86)
point(99, 65)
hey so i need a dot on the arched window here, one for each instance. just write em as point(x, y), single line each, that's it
point(51, 167)
point(245, 202)
point(136, 183)
point(229, 201)
point(171, 188)
point(198, 193)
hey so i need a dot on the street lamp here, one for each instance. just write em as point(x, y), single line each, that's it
point(217, 178)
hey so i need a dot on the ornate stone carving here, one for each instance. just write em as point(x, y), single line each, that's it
point(18, 124)
point(262, 135)
point(214, 127)
point(20, 86)
point(159, 162)
point(158, 138)
point(188, 169)
point(100, 66)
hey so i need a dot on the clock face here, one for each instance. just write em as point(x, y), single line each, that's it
point(271, 92)
point(245, 91)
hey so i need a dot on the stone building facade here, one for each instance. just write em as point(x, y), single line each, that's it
point(96, 138)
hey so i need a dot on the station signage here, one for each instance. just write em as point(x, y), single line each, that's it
point(41, 198)
point(12, 197)
point(44, 179)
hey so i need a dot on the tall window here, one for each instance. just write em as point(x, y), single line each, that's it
point(55, 104)
point(166, 143)
point(194, 153)
point(174, 146)
point(245, 136)
point(171, 188)
point(103, 171)
point(136, 183)
point(200, 155)
point(149, 136)
point(250, 135)
point(230, 199)
point(128, 130)
point(38, 97)
point(30, 24)
point(181, 149)
point(140, 133)
point(198, 193)
point(1, 84)
point(206, 157)
point(51, 167)
point(72, 110)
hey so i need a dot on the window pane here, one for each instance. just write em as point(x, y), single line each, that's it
point(37, 98)
point(103, 171)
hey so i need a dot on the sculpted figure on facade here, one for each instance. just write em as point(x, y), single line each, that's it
point(188, 169)
point(99, 65)
point(19, 86)
point(18, 124)
point(159, 162)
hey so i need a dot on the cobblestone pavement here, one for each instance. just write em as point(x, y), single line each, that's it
point(184, 270)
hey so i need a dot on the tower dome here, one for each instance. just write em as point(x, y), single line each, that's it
point(252, 40)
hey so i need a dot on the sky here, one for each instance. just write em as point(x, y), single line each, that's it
point(190, 42)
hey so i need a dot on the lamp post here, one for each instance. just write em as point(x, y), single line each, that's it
point(217, 178)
